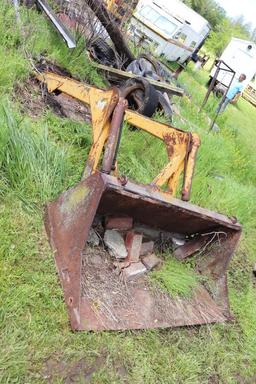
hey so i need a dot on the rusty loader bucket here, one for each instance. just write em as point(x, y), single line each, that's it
point(68, 221)
point(95, 296)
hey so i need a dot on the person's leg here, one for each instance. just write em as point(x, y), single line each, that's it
point(222, 106)
point(218, 107)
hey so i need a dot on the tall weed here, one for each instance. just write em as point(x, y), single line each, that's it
point(32, 165)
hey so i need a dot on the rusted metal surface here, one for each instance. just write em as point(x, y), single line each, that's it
point(102, 106)
point(121, 223)
point(181, 149)
point(67, 222)
point(170, 214)
point(191, 247)
point(216, 264)
point(144, 313)
point(189, 167)
point(114, 135)
point(69, 218)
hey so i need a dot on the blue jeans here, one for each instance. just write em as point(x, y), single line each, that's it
point(221, 107)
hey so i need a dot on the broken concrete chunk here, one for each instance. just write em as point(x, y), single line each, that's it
point(146, 248)
point(133, 243)
point(93, 238)
point(151, 261)
point(120, 223)
point(115, 243)
point(134, 271)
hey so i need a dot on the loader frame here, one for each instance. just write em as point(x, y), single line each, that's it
point(102, 192)
point(181, 146)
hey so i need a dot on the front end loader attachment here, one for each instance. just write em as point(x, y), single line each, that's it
point(68, 221)
point(96, 297)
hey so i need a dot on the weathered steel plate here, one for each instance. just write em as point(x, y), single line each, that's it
point(69, 218)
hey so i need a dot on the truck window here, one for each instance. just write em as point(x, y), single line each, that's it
point(193, 44)
point(161, 22)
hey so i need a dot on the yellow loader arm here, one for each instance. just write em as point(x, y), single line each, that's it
point(105, 105)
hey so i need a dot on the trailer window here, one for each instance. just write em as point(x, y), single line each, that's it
point(150, 14)
point(161, 22)
point(165, 25)
point(182, 37)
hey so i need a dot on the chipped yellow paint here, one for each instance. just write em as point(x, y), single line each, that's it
point(181, 146)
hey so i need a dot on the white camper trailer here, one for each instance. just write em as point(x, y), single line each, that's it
point(175, 30)
point(240, 56)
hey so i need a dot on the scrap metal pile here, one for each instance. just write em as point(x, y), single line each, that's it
point(106, 44)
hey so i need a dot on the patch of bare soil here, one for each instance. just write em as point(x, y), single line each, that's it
point(213, 379)
point(34, 99)
point(30, 95)
point(101, 284)
point(245, 380)
point(71, 372)
point(80, 371)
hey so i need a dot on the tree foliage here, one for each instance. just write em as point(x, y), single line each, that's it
point(223, 27)
point(209, 9)
point(222, 35)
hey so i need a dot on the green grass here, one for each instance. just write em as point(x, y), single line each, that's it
point(34, 167)
point(177, 278)
point(41, 157)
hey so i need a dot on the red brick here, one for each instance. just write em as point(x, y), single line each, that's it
point(133, 243)
point(146, 248)
point(120, 223)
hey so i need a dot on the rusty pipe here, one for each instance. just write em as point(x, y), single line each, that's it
point(190, 166)
point(113, 139)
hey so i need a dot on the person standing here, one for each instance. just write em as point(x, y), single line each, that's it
point(232, 95)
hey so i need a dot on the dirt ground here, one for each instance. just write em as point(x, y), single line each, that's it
point(34, 100)
point(81, 370)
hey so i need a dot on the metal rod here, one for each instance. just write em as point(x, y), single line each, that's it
point(222, 101)
point(114, 136)
point(71, 43)
point(211, 86)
